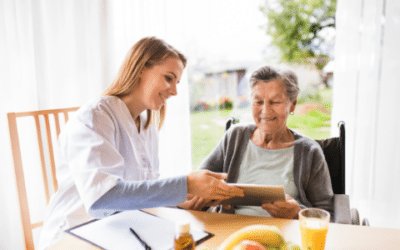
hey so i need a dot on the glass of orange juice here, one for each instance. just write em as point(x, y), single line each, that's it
point(314, 224)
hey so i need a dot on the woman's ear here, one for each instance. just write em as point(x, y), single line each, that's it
point(293, 105)
point(143, 72)
point(140, 77)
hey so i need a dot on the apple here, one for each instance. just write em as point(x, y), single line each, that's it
point(249, 245)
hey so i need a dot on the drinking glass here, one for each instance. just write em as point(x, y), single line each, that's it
point(314, 224)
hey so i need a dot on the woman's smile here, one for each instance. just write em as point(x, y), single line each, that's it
point(163, 99)
point(268, 119)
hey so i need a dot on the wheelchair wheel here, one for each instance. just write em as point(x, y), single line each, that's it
point(355, 217)
point(365, 222)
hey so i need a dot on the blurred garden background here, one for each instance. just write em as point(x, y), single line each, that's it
point(296, 34)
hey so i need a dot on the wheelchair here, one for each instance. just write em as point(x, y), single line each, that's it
point(334, 151)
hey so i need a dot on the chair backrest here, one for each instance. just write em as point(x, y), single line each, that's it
point(334, 151)
point(45, 122)
point(232, 120)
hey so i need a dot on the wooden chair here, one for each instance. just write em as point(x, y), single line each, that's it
point(46, 123)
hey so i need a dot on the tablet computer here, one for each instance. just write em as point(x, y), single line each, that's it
point(255, 195)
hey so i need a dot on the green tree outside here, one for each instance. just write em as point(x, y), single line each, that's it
point(297, 29)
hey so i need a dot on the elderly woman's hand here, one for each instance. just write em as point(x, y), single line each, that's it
point(288, 210)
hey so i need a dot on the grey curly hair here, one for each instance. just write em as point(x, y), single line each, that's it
point(269, 73)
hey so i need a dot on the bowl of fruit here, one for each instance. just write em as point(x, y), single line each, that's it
point(257, 237)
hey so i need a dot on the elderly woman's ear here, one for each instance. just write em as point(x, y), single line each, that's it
point(293, 106)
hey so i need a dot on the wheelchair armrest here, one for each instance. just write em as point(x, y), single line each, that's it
point(214, 209)
point(341, 208)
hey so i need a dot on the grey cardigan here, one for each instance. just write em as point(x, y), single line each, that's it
point(310, 170)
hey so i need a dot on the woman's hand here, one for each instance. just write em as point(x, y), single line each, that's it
point(211, 186)
point(288, 210)
point(197, 203)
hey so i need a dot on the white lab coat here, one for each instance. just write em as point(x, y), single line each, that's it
point(98, 146)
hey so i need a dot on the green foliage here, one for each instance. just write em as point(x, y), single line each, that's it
point(321, 61)
point(207, 128)
point(323, 97)
point(315, 125)
point(295, 27)
point(314, 119)
point(225, 103)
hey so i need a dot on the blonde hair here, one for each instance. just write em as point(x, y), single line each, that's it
point(147, 52)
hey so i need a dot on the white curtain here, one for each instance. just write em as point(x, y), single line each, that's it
point(56, 54)
point(366, 96)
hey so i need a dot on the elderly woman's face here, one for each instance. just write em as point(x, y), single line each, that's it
point(271, 106)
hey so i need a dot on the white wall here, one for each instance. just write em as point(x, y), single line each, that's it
point(56, 54)
point(366, 96)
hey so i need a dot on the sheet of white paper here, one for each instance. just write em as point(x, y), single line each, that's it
point(113, 232)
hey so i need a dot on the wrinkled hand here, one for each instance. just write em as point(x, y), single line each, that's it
point(210, 185)
point(227, 207)
point(279, 209)
point(197, 203)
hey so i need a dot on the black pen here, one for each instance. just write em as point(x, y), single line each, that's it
point(147, 247)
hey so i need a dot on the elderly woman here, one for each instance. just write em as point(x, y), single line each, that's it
point(270, 153)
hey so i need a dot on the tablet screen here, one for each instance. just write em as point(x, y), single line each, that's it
point(255, 195)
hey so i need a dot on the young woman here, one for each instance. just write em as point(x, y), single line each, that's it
point(107, 154)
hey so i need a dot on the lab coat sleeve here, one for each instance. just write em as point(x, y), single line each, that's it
point(139, 195)
point(88, 145)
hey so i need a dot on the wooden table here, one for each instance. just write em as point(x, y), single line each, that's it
point(222, 225)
